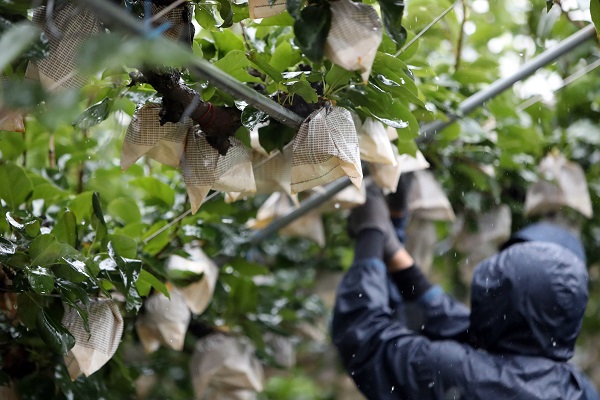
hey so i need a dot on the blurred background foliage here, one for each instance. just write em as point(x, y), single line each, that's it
point(61, 182)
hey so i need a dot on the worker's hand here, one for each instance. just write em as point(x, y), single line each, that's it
point(374, 214)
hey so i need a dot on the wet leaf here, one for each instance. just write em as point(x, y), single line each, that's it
point(53, 333)
point(146, 281)
point(15, 185)
point(65, 229)
point(94, 114)
point(40, 279)
point(392, 11)
point(311, 30)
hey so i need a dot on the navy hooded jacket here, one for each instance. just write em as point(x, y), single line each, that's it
point(527, 308)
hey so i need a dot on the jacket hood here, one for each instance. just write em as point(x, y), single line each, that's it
point(547, 232)
point(529, 299)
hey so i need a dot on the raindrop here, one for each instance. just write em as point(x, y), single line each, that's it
point(393, 387)
point(431, 384)
point(360, 295)
point(336, 205)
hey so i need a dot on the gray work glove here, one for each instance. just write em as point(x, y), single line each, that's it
point(374, 214)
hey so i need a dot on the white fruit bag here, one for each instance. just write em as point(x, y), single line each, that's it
point(375, 146)
point(226, 367)
point(203, 168)
point(165, 321)
point(562, 184)
point(354, 36)
point(71, 26)
point(325, 148)
point(427, 200)
point(93, 350)
point(145, 135)
point(197, 295)
point(309, 226)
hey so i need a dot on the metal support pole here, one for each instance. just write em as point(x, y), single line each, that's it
point(479, 98)
point(110, 12)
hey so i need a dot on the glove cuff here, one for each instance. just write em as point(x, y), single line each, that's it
point(411, 282)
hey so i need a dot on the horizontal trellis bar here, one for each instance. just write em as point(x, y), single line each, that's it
point(499, 86)
point(116, 15)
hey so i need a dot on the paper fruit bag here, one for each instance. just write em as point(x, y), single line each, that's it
point(226, 367)
point(164, 322)
point(203, 168)
point(93, 350)
point(145, 135)
point(354, 36)
point(563, 184)
point(325, 149)
point(265, 8)
point(277, 205)
point(71, 26)
point(427, 200)
point(374, 143)
point(11, 120)
point(196, 295)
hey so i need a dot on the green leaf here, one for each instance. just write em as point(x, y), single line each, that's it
point(45, 250)
point(284, 57)
point(259, 62)
point(28, 308)
point(392, 11)
point(205, 16)
point(81, 206)
point(248, 269)
point(94, 114)
point(15, 41)
point(146, 281)
point(311, 30)
point(594, 11)
point(54, 334)
point(283, 19)
point(7, 247)
point(125, 210)
point(15, 185)
point(65, 229)
point(40, 279)
point(235, 63)
point(33, 228)
point(226, 13)
point(123, 245)
point(226, 41)
point(336, 78)
point(252, 117)
point(159, 242)
point(155, 189)
point(12, 145)
point(303, 89)
point(275, 136)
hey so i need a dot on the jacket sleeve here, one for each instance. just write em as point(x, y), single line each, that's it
point(443, 317)
point(384, 358)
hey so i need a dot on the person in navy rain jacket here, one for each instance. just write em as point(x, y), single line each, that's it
point(527, 306)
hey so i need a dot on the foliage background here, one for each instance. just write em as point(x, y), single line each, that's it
point(63, 178)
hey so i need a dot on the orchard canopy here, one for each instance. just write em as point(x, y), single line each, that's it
point(175, 176)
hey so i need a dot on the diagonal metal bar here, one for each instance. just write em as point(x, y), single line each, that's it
point(108, 11)
point(479, 98)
